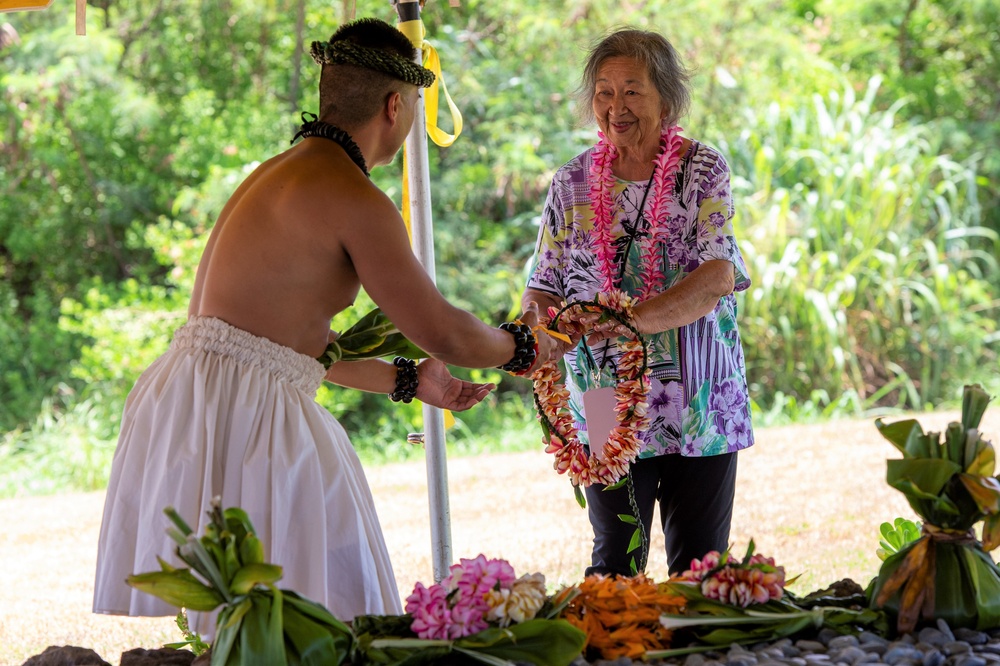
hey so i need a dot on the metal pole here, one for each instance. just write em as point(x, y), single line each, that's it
point(423, 247)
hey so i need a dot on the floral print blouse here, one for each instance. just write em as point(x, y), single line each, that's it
point(698, 401)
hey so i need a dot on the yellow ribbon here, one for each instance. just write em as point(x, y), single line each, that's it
point(414, 30)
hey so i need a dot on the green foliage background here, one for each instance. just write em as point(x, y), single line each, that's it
point(862, 137)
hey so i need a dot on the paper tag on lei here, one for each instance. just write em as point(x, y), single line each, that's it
point(599, 411)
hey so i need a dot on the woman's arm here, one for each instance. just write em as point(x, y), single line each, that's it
point(689, 300)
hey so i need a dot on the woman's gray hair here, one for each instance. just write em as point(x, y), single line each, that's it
point(650, 49)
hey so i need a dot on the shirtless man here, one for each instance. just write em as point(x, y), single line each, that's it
point(229, 410)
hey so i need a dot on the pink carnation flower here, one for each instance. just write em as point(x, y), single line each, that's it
point(739, 587)
point(468, 616)
point(756, 581)
point(429, 608)
point(700, 567)
point(458, 605)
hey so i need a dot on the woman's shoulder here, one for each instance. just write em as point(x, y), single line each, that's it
point(578, 163)
point(706, 166)
point(575, 170)
point(705, 154)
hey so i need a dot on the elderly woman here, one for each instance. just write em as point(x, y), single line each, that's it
point(649, 212)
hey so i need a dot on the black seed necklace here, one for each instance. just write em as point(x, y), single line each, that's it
point(316, 127)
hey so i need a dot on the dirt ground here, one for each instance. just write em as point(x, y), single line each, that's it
point(812, 497)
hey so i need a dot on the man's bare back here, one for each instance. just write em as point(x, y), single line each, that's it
point(275, 264)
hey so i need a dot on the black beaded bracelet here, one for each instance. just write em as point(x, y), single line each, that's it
point(406, 380)
point(525, 347)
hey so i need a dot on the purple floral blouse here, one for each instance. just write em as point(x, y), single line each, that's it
point(698, 400)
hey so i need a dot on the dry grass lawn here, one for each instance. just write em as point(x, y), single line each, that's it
point(810, 496)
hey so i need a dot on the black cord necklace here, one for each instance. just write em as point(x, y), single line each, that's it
point(316, 127)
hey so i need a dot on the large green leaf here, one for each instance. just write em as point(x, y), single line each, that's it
point(541, 642)
point(178, 588)
point(250, 575)
point(907, 436)
point(261, 639)
point(954, 593)
point(315, 611)
point(311, 643)
point(716, 623)
point(372, 336)
point(403, 651)
point(225, 644)
point(954, 437)
point(984, 577)
point(923, 475)
point(974, 403)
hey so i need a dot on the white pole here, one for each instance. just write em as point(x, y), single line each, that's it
point(422, 227)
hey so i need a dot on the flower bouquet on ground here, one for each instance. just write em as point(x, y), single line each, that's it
point(947, 573)
point(729, 601)
point(620, 616)
point(480, 613)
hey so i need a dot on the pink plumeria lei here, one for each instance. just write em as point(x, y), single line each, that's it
point(754, 580)
point(631, 408)
point(474, 593)
point(602, 182)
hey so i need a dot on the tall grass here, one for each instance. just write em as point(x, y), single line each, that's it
point(874, 277)
point(59, 453)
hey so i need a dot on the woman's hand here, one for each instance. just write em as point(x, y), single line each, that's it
point(550, 347)
point(598, 331)
point(438, 388)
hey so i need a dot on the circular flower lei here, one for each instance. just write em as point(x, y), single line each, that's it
point(561, 437)
point(602, 182)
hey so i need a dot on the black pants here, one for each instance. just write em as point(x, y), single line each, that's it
point(696, 510)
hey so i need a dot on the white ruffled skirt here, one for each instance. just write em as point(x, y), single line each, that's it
point(226, 413)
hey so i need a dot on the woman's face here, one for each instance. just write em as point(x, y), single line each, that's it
point(627, 105)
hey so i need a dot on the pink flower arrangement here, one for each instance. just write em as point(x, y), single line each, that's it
point(754, 580)
point(474, 593)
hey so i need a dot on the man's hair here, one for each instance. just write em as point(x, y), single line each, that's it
point(652, 51)
point(363, 62)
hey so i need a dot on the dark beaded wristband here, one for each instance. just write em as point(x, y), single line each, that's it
point(406, 380)
point(525, 347)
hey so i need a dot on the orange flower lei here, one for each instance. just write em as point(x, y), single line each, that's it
point(621, 616)
point(561, 437)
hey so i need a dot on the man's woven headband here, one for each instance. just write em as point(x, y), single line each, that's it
point(345, 52)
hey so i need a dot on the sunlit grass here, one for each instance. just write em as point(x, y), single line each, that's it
point(871, 267)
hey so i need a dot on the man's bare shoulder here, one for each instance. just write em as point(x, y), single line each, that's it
point(315, 185)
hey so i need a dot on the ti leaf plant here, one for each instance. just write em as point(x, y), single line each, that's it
point(947, 573)
point(372, 336)
point(258, 624)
